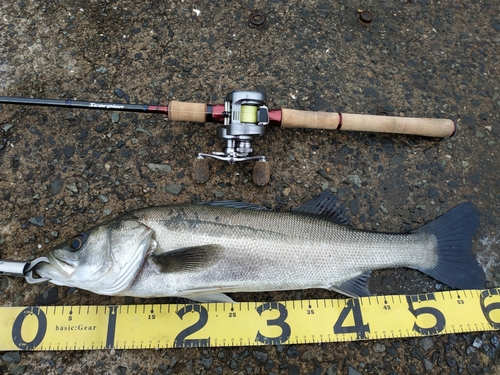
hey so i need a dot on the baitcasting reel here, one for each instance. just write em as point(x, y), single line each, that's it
point(245, 117)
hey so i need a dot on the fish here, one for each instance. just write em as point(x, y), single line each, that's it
point(203, 251)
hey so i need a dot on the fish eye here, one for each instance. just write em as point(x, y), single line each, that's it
point(76, 243)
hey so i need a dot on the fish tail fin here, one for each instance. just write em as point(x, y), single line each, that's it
point(457, 266)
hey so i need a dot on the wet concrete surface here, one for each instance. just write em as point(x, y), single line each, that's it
point(63, 170)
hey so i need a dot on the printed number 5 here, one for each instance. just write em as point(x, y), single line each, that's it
point(438, 315)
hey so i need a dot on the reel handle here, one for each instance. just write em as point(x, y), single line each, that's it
point(429, 127)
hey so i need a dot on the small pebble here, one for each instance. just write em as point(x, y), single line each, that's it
point(163, 168)
point(18, 370)
point(428, 365)
point(426, 343)
point(292, 352)
point(39, 221)
point(397, 159)
point(119, 92)
point(11, 357)
point(332, 370)
point(355, 179)
point(260, 356)
point(103, 198)
point(72, 187)
point(48, 297)
point(68, 151)
point(206, 362)
point(174, 189)
point(56, 187)
point(477, 342)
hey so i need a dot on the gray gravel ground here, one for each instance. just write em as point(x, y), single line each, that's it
point(64, 170)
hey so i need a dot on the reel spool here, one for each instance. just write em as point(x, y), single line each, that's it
point(245, 117)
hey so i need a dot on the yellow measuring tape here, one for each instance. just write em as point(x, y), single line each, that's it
point(248, 323)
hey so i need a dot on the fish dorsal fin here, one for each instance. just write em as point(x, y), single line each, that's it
point(234, 204)
point(327, 205)
point(186, 259)
point(355, 287)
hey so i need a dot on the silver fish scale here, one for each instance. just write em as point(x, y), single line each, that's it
point(267, 250)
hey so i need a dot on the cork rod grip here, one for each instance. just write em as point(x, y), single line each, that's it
point(182, 111)
point(429, 127)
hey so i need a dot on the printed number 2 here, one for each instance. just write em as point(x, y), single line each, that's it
point(279, 321)
point(438, 315)
point(358, 328)
point(181, 339)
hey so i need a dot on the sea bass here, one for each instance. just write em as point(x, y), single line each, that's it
point(201, 251)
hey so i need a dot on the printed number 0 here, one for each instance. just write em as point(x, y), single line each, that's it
point(438, 315)
point(18, 324)
point(279, 321)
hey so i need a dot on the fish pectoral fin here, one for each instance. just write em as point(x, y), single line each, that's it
point(327, 205)
point(355, 287)
point(205, 295)
point(186, 259)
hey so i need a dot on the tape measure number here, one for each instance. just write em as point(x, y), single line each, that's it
point(246, 324)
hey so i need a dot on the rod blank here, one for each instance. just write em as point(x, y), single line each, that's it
point(286, 118)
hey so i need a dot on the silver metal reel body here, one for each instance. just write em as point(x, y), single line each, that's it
point(245, 117)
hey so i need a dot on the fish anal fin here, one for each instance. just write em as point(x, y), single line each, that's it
point(355, 287)
point(327, 205)
point(186, 259)
point(208, 297)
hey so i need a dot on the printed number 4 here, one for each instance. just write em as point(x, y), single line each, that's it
point(358, 327)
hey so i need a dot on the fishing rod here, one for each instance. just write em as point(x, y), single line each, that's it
point(244, 116)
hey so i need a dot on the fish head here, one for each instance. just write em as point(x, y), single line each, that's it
point(103, 260)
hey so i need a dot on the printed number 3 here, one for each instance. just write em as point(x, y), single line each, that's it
point(279, 321)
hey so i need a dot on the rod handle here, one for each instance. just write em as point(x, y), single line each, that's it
point(429, 127)
point(182, 111)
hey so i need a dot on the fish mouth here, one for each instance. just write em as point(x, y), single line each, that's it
point(52, 270)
